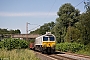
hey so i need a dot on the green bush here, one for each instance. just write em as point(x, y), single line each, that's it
point(69, 47)
point(13, 44)
point(1, 44)
point(85, 51)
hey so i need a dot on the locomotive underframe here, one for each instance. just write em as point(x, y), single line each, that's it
point(44, 49)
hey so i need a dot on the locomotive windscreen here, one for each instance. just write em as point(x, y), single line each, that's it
point(45, 38)
point(51, 38)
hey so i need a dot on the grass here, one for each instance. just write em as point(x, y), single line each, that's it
point(17, 54)
point(85, 51)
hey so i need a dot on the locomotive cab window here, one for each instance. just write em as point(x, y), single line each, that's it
point(51, 38)
point(45, 38)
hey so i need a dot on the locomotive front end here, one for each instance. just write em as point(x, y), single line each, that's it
point(48, 44)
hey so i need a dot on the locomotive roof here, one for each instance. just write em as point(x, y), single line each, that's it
point(45, 35)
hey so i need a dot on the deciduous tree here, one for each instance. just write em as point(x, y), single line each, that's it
point(68, 16)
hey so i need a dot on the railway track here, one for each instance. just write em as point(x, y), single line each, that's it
point(73, 57)
point(79, 55)
point(61, 56)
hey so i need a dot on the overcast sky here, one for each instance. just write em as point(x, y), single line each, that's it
point(15, 13)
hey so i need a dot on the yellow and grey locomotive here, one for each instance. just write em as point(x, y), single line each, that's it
point(45, 43)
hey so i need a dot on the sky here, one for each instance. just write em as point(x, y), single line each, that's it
point(14, 14)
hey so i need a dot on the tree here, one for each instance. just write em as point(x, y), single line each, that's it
point(11, 32)
point(5, 31)
point(73, 35)
point(68, 16)
point(47, 27)
point(84, 26)
point(17, 31)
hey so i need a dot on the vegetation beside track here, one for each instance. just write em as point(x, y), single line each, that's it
point(73, 48)
point(10, 43)
point(85, 51)
point(16, 49)
point(17, 54)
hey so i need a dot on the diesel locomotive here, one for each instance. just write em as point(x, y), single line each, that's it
point(45, 43)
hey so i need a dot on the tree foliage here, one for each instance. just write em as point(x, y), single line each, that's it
point(72, 35)
point(68, 16)
point(13, 44)
point(44, 28)
point(84, 26)
point(5, 31)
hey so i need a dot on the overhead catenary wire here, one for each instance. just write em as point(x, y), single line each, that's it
point(50, 9)
point(46, 16)
point(83, 1)
point(80, 3)
point(74, 6)
point(35, 27)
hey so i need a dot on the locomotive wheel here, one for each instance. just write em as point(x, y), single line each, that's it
point(35, 49)
point(52, 51)
point(49, 50)
point(43, 51)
